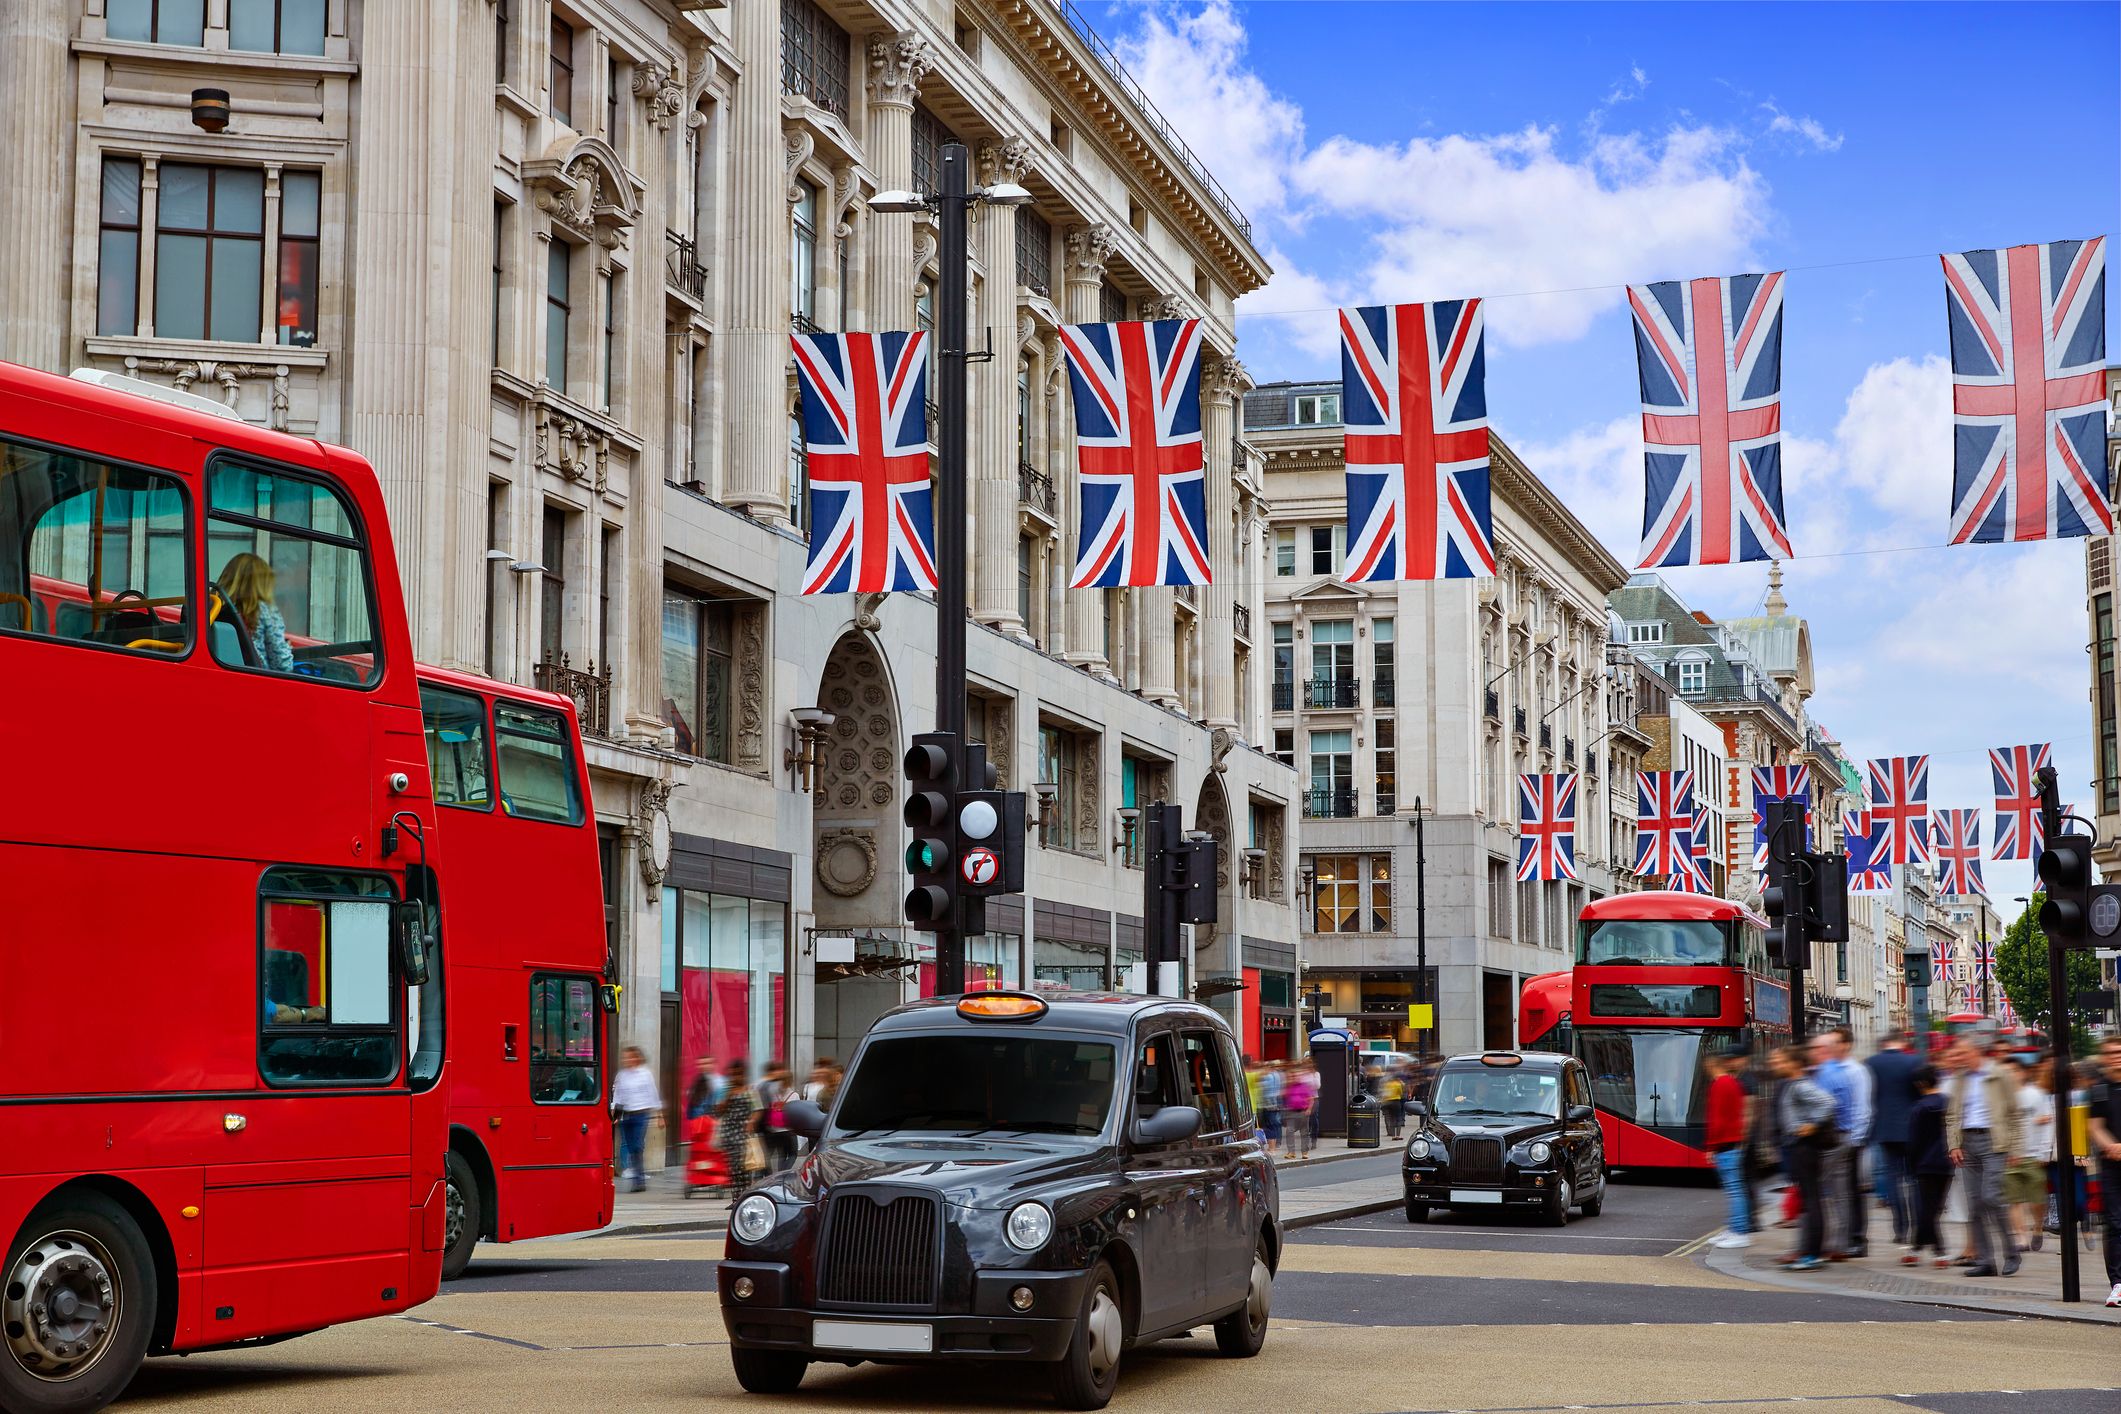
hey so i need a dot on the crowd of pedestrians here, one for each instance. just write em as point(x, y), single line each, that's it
point(1903, 1131)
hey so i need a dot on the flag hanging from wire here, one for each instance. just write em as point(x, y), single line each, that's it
point(1136, 389)
point(865, 437)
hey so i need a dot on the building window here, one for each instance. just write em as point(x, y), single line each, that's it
point(1352, 893)
point(560, 101)
point(1386, 741)
point(697, 671)
point(1528, 912)
point(1383, 662)
point(1137, 215)
point(804, 267)
point(500, 234)
point(1332, 658)
point(156, 21)
point(1312, 408)
point(1326, 543)
point(1034, 250)
point(611, 100)
point(1285, 552)
point(1554, 933)
point(276, 26)
point(295, 309)
point(118, 248)
point(1024, 554)
point(2103, 694)
point(210, 253)
point(1111, 302)
point(611, 336)
point(814, 54)
point(1285, 746)
point(1498, 898)
point(1646, 633)
point(552, 586)
point(1064, 757)
point(1058, 134)
point(798, 474)
point(608, 555)
point(1332, 794)
point(500, 41)
point(558, 261)
point(929, 135)
point(1693, 677)
point(497, 574)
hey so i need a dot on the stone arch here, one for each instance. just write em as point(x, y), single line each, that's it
point(1211, 812)
point(854, 812)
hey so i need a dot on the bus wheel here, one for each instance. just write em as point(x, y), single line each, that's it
point(462, 1219)
point(76, 1307)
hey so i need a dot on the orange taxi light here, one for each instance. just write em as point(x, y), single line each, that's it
point(1502, 1058)
point(1001, 1006)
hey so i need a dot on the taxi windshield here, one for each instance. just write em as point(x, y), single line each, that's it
point(979, 1083)
point(1498, 1092)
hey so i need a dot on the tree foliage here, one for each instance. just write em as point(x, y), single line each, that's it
point(2021, 969)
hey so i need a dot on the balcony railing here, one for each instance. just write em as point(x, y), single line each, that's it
point(590, 689)
point(1329, 804)
point(1241, 619)
point(1518, 719)
point(1385, 692)
point(1494, 705)
point(1034, 488)
point(803, 323)
point(1333, 692)
point(1546, 737)
point(1568, 749)
point(1284, 695)
point(686, 272)
point(1189, 594)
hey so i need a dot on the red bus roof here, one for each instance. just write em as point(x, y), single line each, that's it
point(1659, 904)
point(494, 687)
point(141, 410)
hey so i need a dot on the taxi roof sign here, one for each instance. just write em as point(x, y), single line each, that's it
point(1001, 1006)
point(1501, 1058)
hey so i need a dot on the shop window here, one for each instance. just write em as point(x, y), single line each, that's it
point(732, 979)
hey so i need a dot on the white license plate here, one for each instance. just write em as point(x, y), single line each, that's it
point(873, 1335)
point(1474, 1195)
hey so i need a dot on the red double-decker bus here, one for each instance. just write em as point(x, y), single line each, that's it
point(222, 1113)
point(1662, 981)
point(528, 979)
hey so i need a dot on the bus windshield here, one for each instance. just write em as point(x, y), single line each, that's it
point(1667, 942)
point(972, 1084)
point(1650, 1077)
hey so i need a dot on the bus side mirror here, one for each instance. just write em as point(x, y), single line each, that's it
point(608, 995)
point(412, 941)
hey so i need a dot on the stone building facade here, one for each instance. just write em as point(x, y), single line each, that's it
point(538, 260)
point(1388, 698)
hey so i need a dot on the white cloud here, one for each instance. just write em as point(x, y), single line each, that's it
point(1630, 88)
point(1804, 131)
point(1896, 442)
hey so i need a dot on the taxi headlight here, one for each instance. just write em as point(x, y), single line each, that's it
point(754, 1218)
point(1029, 1225)
point(1541, 1151)
point(1418, 1147)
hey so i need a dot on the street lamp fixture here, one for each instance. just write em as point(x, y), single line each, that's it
point(806, 758)
point(1048, 793)
point(897, 200)
point(1129, 816)
point(1004, 194)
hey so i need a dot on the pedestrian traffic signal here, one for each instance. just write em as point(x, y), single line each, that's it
point(1783, 899)
point(2078, 913)
point(990, 842)
point(931, 791)
point(1826, 897)
point(1193, 889)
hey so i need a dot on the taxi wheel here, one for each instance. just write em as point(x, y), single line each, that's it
point(767, 1371)
point(1593, 1205)
point(1241, 1333)
point(1086, 1376)
point(1417, 1212)
point(1557, 1209)
point(462, 1219)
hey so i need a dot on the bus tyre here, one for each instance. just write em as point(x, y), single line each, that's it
point(1085, 1377)
point(767, 1371)
point(1557, 1209)
point(77, 1300)
point(462, 1219)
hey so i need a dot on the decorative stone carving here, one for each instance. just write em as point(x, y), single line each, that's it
point(1003, 161)
point(573, 448)
point(897, 64)
point(1212, 813)
point(185, 372)
point(651, 818)
point(1167, 307)
point(751, 688)
point(660, 89)
point(1220, 745)
point(995, 724)
point(1272, 831)
point(866, 617)
point(586, 193)
point(846, 861)
point(797, 145)
point(1224, 380)
point(1089, 247)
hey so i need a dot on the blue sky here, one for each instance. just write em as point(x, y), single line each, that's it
point(1393, 151)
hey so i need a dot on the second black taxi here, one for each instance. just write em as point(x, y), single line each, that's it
point(1506, 1128)
point(1011, 1177)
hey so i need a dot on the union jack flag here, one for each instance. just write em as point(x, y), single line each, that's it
point(1778, 783)
point(2005, 1012)
point(1984, 960)
point(1136, 387)
point(2017, 798)
point(865, 432)
point(1864, 839)
point(1900, 799)
point(2028, 331)
point(1958, 844)
point(1709, 356)
point(1695, 878)
point(1664, 823)
point(1414, 411)
point(1546, 827)
point(1941, 967)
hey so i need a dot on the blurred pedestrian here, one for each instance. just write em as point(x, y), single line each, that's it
point(1272, 1083)
point(2105, 1135)
point(736, 1130)
point(2025, 1178)
point(1929, 1163)
point(1807, 1124)
point(1837, 1187)
point(1892, 1098)
point(705, 1091)
point(1726, 1137)
point(1298, 1095)
point(1983, 1131)
point(824, 1082)
point(776, 1088)
point(1392, 1094)
point(635, 1101)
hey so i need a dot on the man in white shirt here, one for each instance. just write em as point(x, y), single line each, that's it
point(634, 1102)
point(1982, 1129)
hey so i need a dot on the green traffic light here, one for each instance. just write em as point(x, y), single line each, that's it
point(924, 856)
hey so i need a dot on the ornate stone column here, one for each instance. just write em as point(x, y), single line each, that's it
point(35, 187)
point(756, 476)
point(1089, 247)
point(1223, 380)
point(993, 441)
point(897, 64)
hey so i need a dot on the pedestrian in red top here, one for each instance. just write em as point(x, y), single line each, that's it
point(1727, 1129)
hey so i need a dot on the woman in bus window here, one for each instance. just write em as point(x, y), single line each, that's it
point(246, 582)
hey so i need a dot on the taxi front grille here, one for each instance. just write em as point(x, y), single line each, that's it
point(1477, 1160)
point(880, 1249)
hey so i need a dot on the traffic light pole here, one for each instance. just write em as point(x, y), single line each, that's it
point(2059, 1038)
point(950, 560)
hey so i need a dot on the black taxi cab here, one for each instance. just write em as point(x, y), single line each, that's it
point(1506, 1128)
point(1012, 1177)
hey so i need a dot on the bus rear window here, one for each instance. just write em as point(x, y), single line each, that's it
point(537, 768)
point(93, 553)
point(1667, 942)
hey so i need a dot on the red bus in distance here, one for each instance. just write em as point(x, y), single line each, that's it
point(528, 980)
point(1661, 982)
point(222, 1115)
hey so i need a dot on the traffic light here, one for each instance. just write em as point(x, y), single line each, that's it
point(931, 796)
point(1783, 899)
point(1826, 898)
point(1915, 965)
point(1193, 896)
point(990, 842)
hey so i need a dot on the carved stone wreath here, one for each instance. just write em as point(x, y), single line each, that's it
point(846, 862)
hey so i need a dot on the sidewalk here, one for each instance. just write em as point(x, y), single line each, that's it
point(665, 1208)
point(2035, 1291)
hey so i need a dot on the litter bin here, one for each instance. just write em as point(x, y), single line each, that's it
point(1365, 1123)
